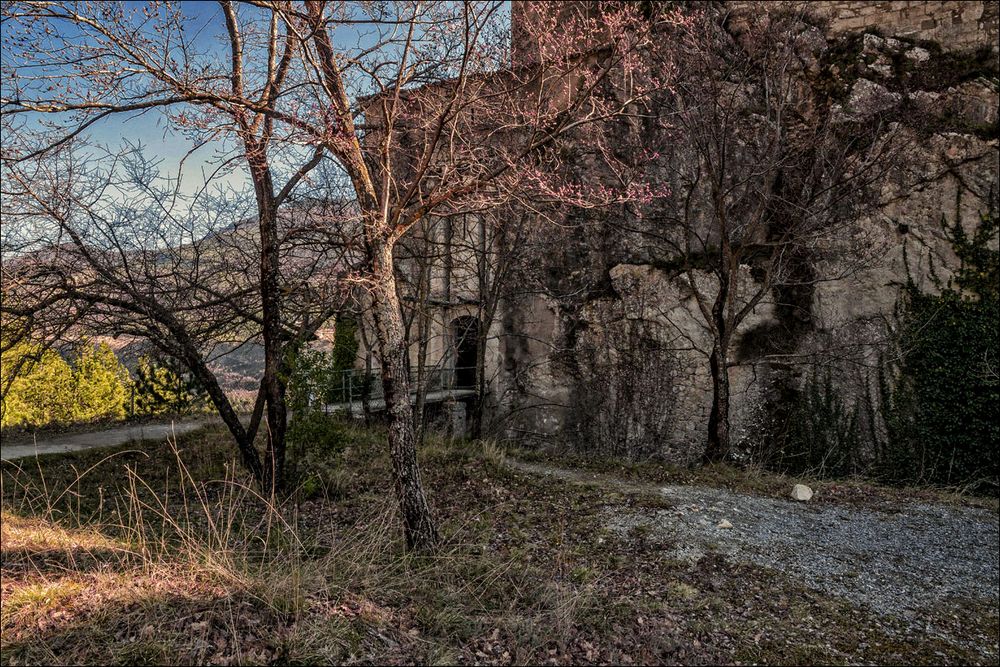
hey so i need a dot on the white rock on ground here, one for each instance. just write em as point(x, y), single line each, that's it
point(802, 492)
point(725, 524)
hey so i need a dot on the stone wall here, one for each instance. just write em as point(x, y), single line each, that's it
point(954, 24)
point(611, 354)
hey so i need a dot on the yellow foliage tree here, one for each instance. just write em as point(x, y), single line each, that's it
point(101, 384)
point(41, 388)
point(43, 391)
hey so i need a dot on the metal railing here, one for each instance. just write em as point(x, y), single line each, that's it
point(357, 386)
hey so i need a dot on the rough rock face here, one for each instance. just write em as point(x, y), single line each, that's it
point(613, 356)
point(867, 98)
point(641, 368)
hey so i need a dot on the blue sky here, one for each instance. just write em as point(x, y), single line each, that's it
point(151, 129)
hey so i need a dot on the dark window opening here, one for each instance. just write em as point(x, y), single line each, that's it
point(465, 331)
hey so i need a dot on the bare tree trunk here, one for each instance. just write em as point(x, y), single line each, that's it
point(366, 381)
point(476, 423)
point(273, 380)
point(718, 420)
point(422, 296)
point(418, 522)
point(484, 320)
point(366, 390)
point(244, 437)
point(420, 405)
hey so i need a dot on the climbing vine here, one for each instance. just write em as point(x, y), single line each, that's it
point(942, 397)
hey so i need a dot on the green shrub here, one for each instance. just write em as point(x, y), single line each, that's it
point(311, 381)
point(822, 436)
point(316, 442)
point(319, 377)
point(942, 399)
point(162, 388)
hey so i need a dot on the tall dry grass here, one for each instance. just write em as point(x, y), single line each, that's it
point(184, 526)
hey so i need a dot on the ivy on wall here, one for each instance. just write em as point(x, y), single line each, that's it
point(940, 398)
point(942, 402)
point(823, 437)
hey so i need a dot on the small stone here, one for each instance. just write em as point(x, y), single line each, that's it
point(918, 55)
point(882, 66)
point(725, 524)
point(926, 101)
point(802, 492)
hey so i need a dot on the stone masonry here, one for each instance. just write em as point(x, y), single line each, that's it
point(620, 372)
point(601, 347)
point(954, 24)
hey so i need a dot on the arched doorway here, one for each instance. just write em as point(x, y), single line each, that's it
point(465, 337)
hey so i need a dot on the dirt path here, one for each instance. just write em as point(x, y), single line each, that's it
point(111, 437)
point(899, 562)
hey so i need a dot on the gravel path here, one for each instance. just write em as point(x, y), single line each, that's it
point(107, 438)
point(901, 563)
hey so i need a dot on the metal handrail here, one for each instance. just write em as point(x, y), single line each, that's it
point(356, 385)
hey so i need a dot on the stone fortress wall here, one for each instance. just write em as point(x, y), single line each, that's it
point(954, 24)
point(583, 355)
point(589, 373)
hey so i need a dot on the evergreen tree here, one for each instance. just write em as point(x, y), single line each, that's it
point(160, 388)
point(345, 344)
point(43, 391)
point(102, 384)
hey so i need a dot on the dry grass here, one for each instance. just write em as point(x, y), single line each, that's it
point(145, 533)
point(162, 554)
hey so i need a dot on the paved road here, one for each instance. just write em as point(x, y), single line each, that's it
point(107, 438)
point(122, 434)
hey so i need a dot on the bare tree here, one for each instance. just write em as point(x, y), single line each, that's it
point(767, 178)
point(414, 104)
point(114, 254)
point(79, 63)
point(445, 126)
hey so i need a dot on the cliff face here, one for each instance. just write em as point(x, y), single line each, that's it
point(610, 355)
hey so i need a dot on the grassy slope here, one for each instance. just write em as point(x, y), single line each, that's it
point(127, 564)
